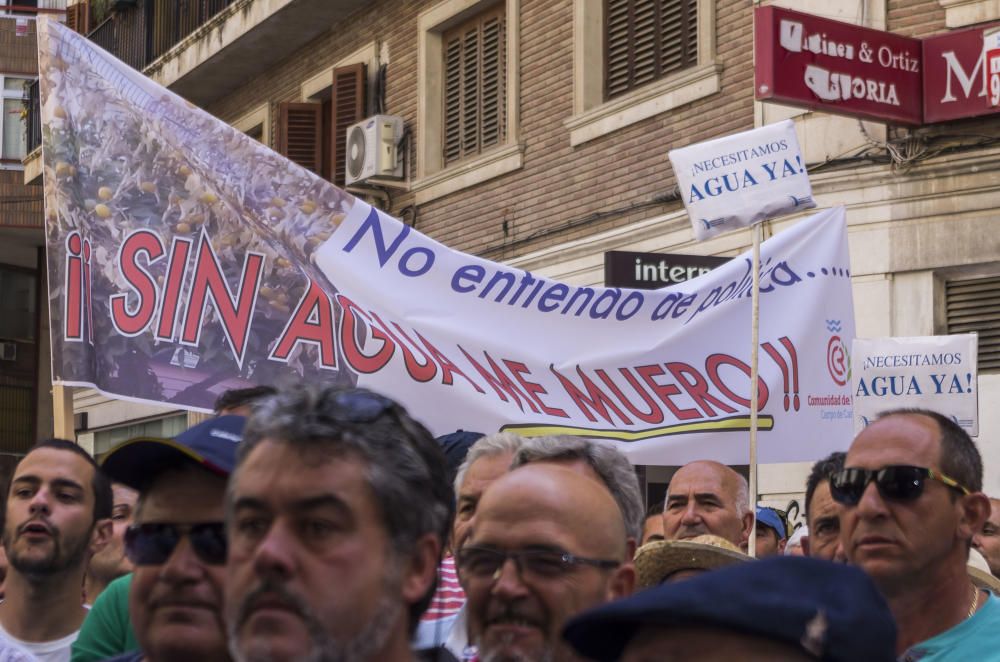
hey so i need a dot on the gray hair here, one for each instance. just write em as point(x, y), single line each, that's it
point(491, 445)
point(742, 495)
point(610, 464)
point(405, 467)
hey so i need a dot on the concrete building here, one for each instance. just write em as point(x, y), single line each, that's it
point(536, 133)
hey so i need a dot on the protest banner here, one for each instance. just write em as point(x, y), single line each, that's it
point(931, 372)
point(185, 258)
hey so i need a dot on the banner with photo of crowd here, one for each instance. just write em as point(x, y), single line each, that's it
point(185, 259)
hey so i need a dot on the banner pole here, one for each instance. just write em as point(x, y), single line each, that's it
point(754, 328)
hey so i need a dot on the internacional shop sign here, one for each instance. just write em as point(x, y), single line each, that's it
point(836, 67)
point(186, 258)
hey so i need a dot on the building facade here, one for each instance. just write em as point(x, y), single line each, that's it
point(536, 133)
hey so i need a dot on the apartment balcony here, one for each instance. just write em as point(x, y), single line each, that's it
point(205, 49)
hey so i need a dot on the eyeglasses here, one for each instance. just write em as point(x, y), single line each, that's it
point(896, 482)
point(152, 543)
point(482, 562)
point(359, 406)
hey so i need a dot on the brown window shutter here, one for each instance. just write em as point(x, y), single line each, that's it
point(299, 128)
point(78, 17)
point(347, 108)
point(973, 305)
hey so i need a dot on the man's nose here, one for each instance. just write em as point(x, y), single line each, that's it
point(274, 556)
point(41, 502)
point(691, 514)
point(183, 565)
point(507, 580)
point(871, 503)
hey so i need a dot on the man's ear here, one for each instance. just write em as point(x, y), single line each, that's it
point(805, 545)
point(974, 511)
point(747, 526)
point(622, 582)
point(420, 568)
point(100, 536)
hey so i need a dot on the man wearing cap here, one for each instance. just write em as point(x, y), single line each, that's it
point(911, 503)
point(177, 543)
point(782, 608)
point(771, 536)
point(337, 515)
point(57, 515)
point(548, 542)
point(708, 497)
point(822, 513)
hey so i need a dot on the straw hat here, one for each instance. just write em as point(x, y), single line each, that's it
point(979, 572)
point(656, 561)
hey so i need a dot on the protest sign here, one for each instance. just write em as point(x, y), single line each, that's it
point(185, 258)
point(742, 179)
point(931, 372)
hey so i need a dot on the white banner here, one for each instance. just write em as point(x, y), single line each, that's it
point(742, 179)
point(186, 258)
point(931, 372)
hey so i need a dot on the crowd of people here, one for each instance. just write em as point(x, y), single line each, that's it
point(329, 524)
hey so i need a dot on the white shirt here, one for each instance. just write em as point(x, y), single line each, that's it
point(57, 650)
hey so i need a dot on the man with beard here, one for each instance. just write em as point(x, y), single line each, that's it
point(565, 538)
point(336, 515)
point(110, 562)
point(708, 497)
point(177, 544)
point(58, 506)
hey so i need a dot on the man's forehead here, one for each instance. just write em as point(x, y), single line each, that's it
point(896, 439)
point(54, 464)
point(700, 479)
point(484, 471)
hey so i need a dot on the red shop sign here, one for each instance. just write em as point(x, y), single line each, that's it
point(955, 83)
point(836, 67)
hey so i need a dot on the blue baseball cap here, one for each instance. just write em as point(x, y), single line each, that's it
point(212, 444)
point(769, 518)
point(831, 611)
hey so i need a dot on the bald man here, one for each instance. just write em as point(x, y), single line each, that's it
point(708, 497)
point(547, 543)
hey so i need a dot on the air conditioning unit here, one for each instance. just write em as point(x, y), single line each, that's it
point(371, 149)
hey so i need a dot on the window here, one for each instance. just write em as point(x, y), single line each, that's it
point(475, 101)
point(973, 305)
point(13, 136)
point(468, 125)
point(634, 59)
point(645, 40)
point(161, 428)
point(18, 299)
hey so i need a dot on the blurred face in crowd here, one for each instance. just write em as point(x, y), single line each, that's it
point(895, 541)
point(652, 529)
point(768, 543)
point(987, 541)
point(312, 571)
point(110, 562)
point(517, 608)
point(703, 498)
point(706, 644)
point(176, 605)
point(477, 478)
point(49, 526)
point(823, 541)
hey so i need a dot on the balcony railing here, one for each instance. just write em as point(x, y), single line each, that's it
point(140, 31)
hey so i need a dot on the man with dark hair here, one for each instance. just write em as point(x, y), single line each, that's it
point(987, 541)
point(240, 401)
point(911, 503)
point(652, 527)
point(337, 515)
point(822, 512)
point(57, 515)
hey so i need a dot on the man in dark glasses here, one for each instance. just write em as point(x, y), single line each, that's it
point(547, 543)
point(336, 516)
point(177, 541)
point(911, 502)
point(822, 512)
point(57, 516)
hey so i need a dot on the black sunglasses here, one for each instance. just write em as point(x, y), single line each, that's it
point(482, 562)
point(152, 543)
point(359, 406)
point(897, 482)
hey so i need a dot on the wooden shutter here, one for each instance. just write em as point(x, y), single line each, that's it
point(78, 17)
point(475, 79)
point(299, 134)
point(646, 39)
point(347, 108)
point(973, 304)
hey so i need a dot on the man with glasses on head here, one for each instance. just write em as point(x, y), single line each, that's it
point(911, 503)
point(547, 543)
point(177, 543)
point(337, 514)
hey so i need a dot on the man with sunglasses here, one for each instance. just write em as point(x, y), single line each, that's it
point(337, 515)
point(177, 543)
point(548, 542)
point(911, 502)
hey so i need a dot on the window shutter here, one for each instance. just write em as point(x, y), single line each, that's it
point(973, 304)
point(78, 17)
point(475, 76)
point(347, 108)
point(299, 130)
point(646, 39)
